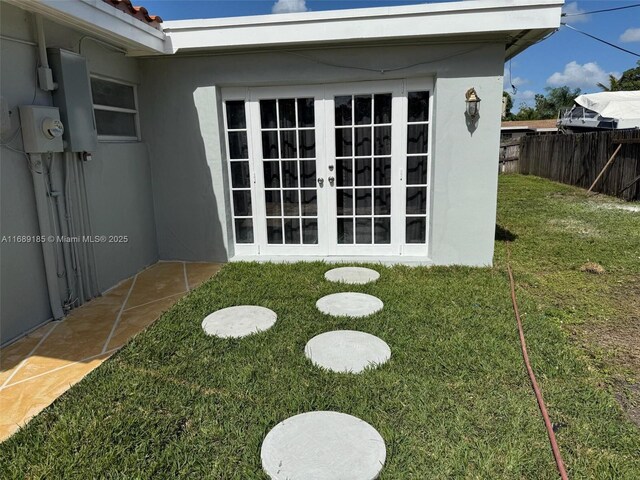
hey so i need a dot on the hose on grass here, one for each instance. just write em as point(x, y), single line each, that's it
point(543, 409)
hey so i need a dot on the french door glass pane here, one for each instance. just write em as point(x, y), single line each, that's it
point(418, 138)
point(418, 107)
point(244, 230)
point(238, 146)
point(240, 174)
point(310, 231)
point(363, 130)
point(235, 115)
point(417, 170)
point(289, 169)
point(343, 110)
point(416, 229)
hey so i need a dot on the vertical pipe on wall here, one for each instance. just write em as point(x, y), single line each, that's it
point(48, 251)
point(60, 200)
point(42, 44)
point(80, 222)
point(89, 224)
point(71, 222)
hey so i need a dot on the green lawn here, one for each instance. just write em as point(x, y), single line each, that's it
point(454, 401)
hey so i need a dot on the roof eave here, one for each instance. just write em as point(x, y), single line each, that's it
point(520, 25)
point(100, 20)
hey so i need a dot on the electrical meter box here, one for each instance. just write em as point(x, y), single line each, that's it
point(73, 97)
point(41, 128)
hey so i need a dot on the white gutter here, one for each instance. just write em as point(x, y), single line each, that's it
point(529, 20)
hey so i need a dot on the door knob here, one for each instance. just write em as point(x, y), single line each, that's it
point(320, 181)
point(331, 180)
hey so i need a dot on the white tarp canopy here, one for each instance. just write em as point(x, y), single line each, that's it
point(617, 105)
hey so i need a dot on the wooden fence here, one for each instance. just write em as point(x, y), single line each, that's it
point(509, 155)
point(577, 159)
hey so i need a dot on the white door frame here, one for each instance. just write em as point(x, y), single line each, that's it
point(325, 157)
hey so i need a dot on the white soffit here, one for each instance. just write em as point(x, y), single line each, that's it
point(100, 20)
point(520, 23)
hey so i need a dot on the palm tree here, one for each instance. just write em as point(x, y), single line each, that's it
point(614, 84)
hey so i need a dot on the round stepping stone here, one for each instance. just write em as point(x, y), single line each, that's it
point(352, 275)
point(240, 321)
point(323, 446)
point(349, 304)
point(347, 351)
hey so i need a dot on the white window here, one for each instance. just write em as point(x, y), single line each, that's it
point(115, 106)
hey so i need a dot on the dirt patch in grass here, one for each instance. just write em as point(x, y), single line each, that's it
point(592, 267)
point(628, 395)
point(618, 342)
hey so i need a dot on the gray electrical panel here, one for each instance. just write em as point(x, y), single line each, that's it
point(73, 97)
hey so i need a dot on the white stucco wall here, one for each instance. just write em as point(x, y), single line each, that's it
point(180, 100)
point(118, 181)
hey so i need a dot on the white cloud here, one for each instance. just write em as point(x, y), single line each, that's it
point(289, 6)
point(573, 9)
point(630, 35)
point(585, 76)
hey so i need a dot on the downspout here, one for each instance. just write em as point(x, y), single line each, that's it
point(48, 251)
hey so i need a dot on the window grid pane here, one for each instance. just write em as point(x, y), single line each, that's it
point(239, 171)
point(115, 110)
point(417, 160)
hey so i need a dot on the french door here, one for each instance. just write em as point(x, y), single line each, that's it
point(330, 169)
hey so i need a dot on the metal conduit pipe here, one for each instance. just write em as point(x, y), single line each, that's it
point(77, 268)
point(59, 198)
point(80, 222)
point(42, 44)
point(94, 264)
point(55, 221)
point(44, 222)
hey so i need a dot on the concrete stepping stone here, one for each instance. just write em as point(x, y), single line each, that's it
point(352, 275)
point(323, 446)
point(349, 304)
point(347, 351)
point(240, 321)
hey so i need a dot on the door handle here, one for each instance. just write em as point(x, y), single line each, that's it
point(331, 180)
point(321, 181)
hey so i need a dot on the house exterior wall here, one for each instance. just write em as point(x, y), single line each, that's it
point(189, 169)
point(118, 181)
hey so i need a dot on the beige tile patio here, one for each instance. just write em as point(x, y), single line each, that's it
point(62, 353)
point(160, 281)
point(14, 354)
point(198, 273)
point(136, 319)
point(19, 402)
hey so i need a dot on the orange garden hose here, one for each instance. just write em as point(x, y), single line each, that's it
point(534, 383)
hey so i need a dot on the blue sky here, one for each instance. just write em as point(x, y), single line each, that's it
point(565, 58)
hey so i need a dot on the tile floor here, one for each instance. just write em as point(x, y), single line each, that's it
point(40, 367)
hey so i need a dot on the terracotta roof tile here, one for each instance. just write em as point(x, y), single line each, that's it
point(140, 13)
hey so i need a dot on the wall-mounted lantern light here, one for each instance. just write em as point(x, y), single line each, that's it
point(473, 102)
